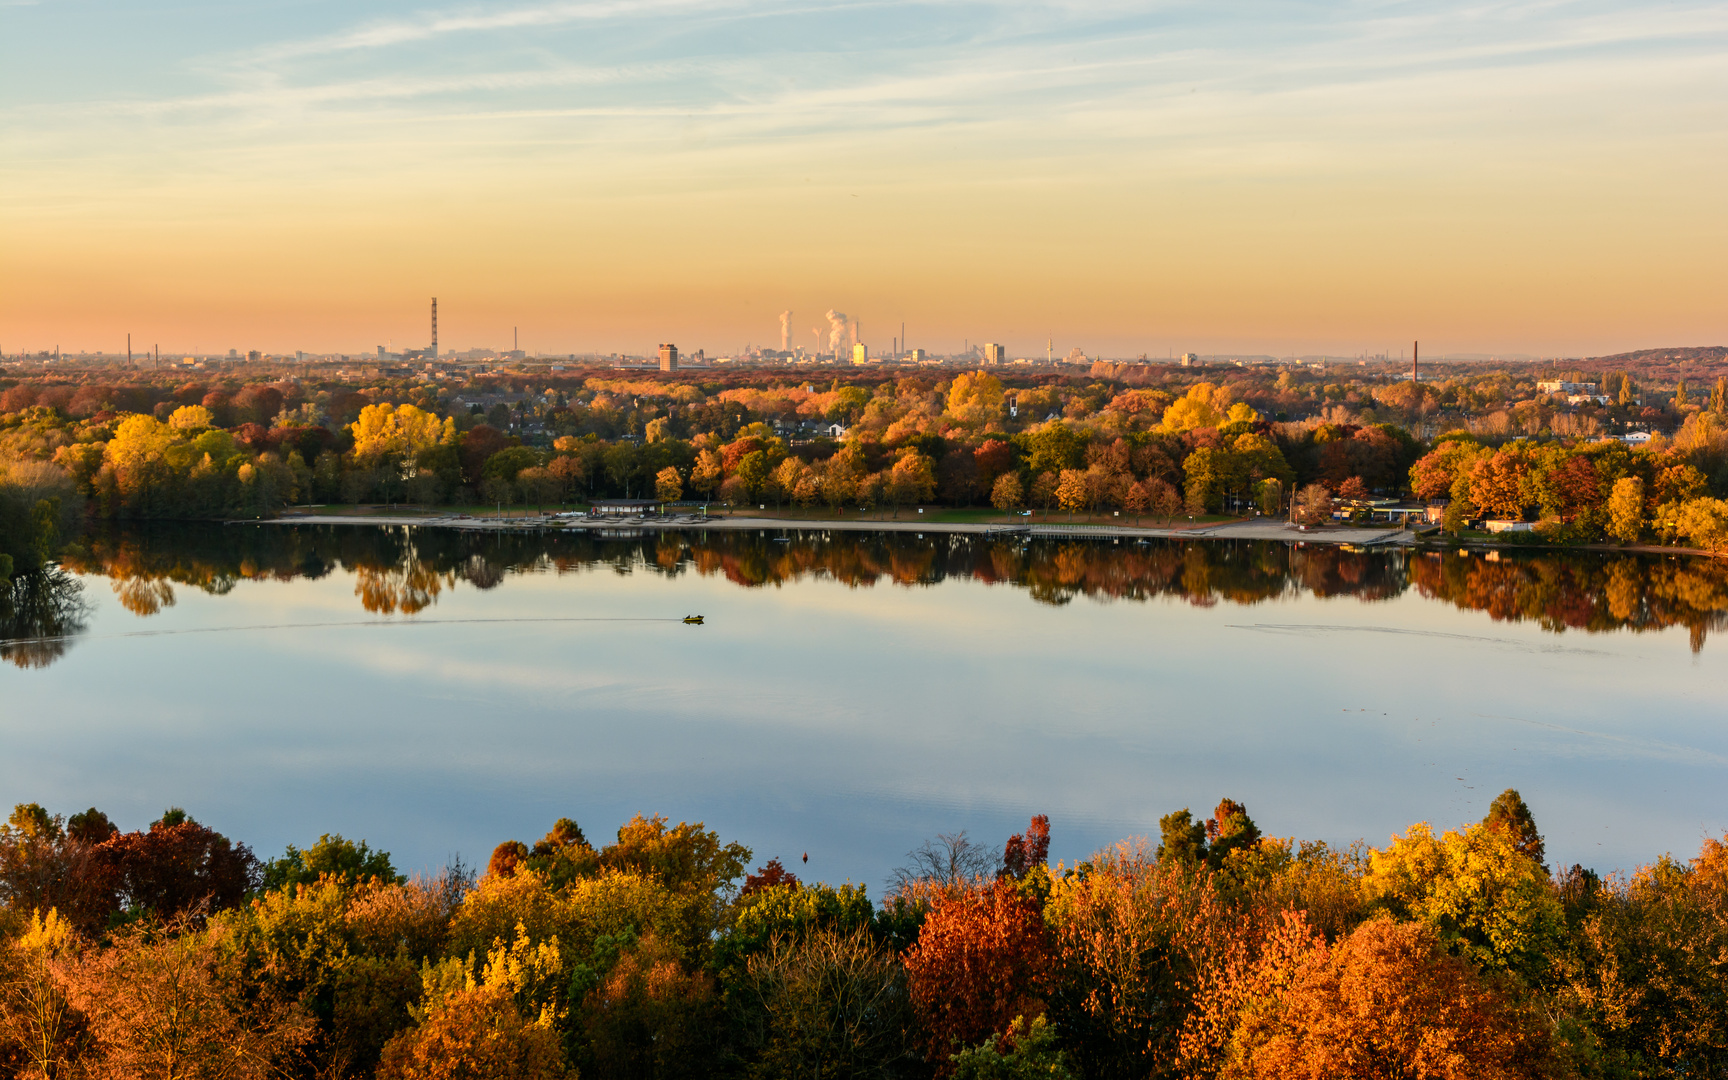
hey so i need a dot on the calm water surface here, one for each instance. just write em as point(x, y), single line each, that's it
point(851, 695)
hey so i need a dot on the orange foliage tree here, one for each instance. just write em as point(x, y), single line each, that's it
point(983, 957)
point(1387, 1002)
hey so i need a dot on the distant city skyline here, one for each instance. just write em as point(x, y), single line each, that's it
point(1128, 178)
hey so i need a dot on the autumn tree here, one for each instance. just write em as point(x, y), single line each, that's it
point(1626, 510)
point(767, 876)
point(976, 398)
point(190, 418)
point(170, 1001)
point(178, 865)
point(36, 1016)
point(1642, 975)
point(1486, 900)
point(401, 431)
point(1071, 490)
point(1026, 851)
point(983, 957)
point(1388, 1002)
point(1163, 499)
point(1005, 494)
point(1270, 496)
point(475, 1034)
point(538, 485)
point(1203, 406)
point(1499, 485)
point(1313, 505)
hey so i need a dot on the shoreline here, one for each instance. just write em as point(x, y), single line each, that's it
point(1241, 529)
point(1247, 529)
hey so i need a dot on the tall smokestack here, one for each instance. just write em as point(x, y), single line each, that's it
point(785, 331)
point(434, 328)
point(1416, 361)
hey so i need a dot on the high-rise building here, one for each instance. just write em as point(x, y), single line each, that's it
point(860, 353)
point(994, 353)
point(668, 357)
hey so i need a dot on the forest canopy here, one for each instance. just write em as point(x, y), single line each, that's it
point(1218, 951)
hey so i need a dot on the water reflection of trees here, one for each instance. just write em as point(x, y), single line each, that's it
point(402, 571)
point(39, 614)
point(1582, 592)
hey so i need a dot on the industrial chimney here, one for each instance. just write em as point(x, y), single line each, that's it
point(434, 328)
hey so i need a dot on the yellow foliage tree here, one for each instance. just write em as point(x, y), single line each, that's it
point(976, 398)
point(1487, 901)
point(35, 1015)
point(1626, 509)
point(668, 485)
point(1705, 523)
point(405, 429)
point(1204, 406)
point(190, 418)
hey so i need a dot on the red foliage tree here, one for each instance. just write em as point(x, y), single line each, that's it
point(1025, 851)
point(983, 957)
point(258, 404)
point(478, 444)
point(507, 858)
point(993, 459)
point(252, 435)
point(767, 877)
point(176, 866)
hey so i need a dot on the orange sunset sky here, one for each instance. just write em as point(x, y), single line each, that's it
point(1540, 179)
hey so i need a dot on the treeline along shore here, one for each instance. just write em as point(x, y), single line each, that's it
point(1213, 952)
point(1121, 441)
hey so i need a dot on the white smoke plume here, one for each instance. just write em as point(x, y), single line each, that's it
point(838, 326)
point(785, 330)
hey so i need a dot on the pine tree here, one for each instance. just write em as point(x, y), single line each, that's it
point(1182, 838)
point(1509, 815)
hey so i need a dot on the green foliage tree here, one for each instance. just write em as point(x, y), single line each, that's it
point(334, 856)
point(1023, 1052)
point(1182, 839)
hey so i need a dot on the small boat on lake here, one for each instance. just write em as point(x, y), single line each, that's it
point(694, 620)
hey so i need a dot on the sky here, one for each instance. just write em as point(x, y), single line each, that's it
point(1125, 178)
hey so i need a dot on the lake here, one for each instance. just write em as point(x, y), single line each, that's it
point(851, 695)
